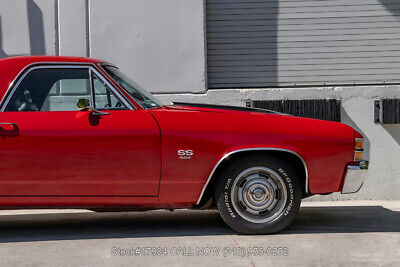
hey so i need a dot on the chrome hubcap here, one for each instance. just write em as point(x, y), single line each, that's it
point(259, 194)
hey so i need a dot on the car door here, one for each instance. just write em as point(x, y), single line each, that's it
point(50, 148)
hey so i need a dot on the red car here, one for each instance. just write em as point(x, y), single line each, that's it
point(77, 133)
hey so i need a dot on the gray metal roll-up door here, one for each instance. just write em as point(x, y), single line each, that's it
point(270, 43)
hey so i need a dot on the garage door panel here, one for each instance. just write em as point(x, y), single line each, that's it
point(261, 42)
point(215, 70)
point(312, 63)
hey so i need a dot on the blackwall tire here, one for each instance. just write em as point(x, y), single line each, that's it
point(258, 195)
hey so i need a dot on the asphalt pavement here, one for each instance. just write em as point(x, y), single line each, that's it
point(350, 233)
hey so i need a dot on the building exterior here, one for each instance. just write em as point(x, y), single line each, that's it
point(232, 51)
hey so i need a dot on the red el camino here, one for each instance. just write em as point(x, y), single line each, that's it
point(77, 133)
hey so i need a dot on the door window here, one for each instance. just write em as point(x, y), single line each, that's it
point(60, 89)
point(104, 98)
point(51, 89)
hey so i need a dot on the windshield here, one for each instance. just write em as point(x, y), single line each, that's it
point(144, 98)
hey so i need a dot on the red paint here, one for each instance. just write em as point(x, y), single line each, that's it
point(130, 158)
point(325, 146)
point(61, 153)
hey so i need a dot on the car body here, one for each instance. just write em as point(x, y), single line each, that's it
point(137, 154)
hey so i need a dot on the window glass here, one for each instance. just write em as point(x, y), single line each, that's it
point(104, 97)
point(144, 98)
point(52, 89)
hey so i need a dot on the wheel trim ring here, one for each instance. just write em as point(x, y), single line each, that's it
point(251, 217)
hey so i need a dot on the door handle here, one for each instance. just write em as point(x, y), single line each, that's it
point(8, 129)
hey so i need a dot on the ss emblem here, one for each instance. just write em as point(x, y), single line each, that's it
point(185, 154)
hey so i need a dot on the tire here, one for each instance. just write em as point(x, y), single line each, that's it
point(258, 195)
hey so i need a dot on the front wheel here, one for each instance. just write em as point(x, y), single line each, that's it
point(258, 195)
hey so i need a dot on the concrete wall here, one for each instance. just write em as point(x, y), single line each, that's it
point(160, 44)
point(27, 27)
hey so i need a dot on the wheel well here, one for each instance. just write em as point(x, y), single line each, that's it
point(294, 161)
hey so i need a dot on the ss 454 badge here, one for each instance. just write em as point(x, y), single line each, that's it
point(185, 154)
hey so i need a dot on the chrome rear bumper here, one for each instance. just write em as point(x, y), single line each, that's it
point(355, 177)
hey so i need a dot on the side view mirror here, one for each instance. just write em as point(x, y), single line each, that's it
point(83, 104)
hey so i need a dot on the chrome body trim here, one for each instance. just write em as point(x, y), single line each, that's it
point(57, 65)
point(92, 103)
point(355, 177)
point(251, 149)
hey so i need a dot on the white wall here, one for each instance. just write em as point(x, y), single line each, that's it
point(27, 27)
point(160, 43)
point(72, 27)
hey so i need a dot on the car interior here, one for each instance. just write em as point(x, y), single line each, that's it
point(60, 90)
